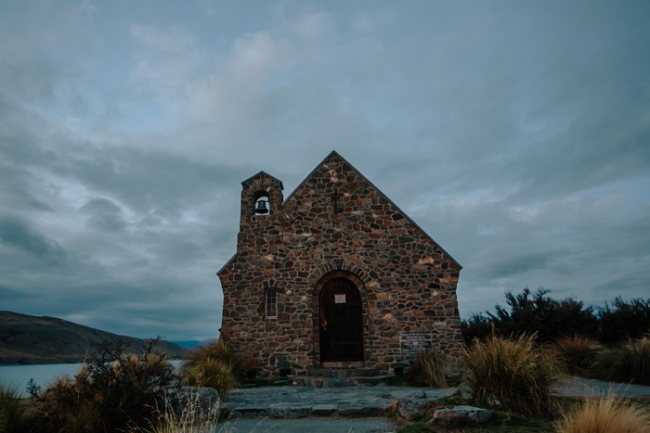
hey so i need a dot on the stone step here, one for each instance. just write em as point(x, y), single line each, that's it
point(293, 411)
point(337, 382)
point(345, 372)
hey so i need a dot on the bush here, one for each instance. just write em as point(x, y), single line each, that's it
point(534, 314)
point(628, 362)
point(428, 369)
point(577, 353)
point(605, 416)
point(217, 363)
point(513, 373)
point(624, 320)
point(111, 392)
point(13, 409)
point(477, 326)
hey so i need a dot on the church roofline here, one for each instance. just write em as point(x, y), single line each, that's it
point(227, 263)
point(265, 174)
point(334, 152)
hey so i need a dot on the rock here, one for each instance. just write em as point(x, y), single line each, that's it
point(316, 383)
point(280, 382)
point(493, 401)
point(299, 411)
point(278, 411)
point(323, 409)
point(197, 403)
point(411, 406)
point(350, 410)
point(471, 413)
point(252, 411)
point(285, 411)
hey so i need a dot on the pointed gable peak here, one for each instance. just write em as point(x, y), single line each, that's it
point(335, 156)
point(260, 175)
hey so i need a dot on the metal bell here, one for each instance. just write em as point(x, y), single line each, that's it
point(261, 207)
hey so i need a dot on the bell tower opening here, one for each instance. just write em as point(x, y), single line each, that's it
point(261, 203)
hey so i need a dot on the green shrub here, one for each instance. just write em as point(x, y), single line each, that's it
point(605, 416)
point(428, 369)
point(477, 326)
point(577, 353)
point(110, 393)
point(513, 373)
point(624, 320)
point(534, 313)
point(217, 357)
point(13, 409)
point(628, 362)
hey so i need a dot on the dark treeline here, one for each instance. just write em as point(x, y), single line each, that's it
point(551, 318)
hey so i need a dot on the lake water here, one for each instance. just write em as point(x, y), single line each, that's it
point(42, 374)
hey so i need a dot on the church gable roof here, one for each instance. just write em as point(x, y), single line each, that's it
point(304, 186)
point(334, 157)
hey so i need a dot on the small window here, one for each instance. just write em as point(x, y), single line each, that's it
point(271, 304)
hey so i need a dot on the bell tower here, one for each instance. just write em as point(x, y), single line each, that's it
point(261, 197)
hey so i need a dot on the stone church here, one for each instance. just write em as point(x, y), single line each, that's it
point(335, 275)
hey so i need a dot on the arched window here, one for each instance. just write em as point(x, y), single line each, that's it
point(261, 203)
point(271, 301)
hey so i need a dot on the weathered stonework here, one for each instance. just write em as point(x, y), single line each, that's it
point(407, 282)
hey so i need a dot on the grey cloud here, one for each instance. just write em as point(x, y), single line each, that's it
point(104, 214)
point(16, 233)
point(626, 284)
point(498, 127)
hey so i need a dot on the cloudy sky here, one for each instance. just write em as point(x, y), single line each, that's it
point(517, 134)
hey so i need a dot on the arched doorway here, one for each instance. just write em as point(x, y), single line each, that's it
point(341, 322)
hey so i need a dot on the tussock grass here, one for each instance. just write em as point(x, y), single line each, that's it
point(628, 362)
point(193, 419)
point(428, 369)
point(605, 415)
point(212, 373)
point(215, 365)
point(512, 373)
point(13, 410)
point(577, 353)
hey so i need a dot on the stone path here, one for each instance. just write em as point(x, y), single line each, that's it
point(578, 387)
point(290, 402)
point(311, 425)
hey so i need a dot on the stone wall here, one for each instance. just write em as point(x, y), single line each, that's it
point(407, 282)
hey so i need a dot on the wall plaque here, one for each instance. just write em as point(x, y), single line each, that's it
point(413, 342)
point(339, 299)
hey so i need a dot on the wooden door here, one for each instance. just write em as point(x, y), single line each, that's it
point(341, 322)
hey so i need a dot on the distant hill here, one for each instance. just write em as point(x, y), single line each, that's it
point(47, 340)
point(188, 344)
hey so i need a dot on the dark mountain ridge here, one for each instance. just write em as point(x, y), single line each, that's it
point(47, 340)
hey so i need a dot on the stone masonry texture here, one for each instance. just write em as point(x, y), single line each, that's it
point(407, 282)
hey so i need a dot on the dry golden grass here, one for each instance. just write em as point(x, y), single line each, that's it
point(428, 369)
point(628, 362)
point(605, 415)
point(216, 365)
point(513, 373)
point(12, 408)
point(193, 419)
point(576, 353)
point(212, 373)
